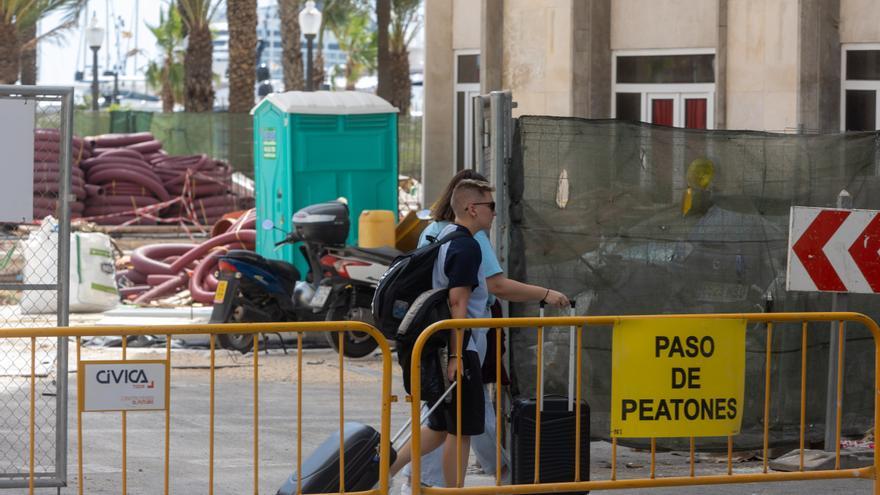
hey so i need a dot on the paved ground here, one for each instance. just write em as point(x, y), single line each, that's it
point(234, 474)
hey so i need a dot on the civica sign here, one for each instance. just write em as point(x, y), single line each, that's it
point(123, 385)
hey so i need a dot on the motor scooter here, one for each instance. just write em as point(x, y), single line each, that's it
point(338, 286)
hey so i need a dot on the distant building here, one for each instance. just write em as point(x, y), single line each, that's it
point(269, 31)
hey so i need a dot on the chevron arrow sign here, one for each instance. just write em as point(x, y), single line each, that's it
point(834, 250)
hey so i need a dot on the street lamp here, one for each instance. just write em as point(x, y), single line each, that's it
point(309, 24)
point(94, 36)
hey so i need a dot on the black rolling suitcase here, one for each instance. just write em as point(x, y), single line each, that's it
point(321, 468)
point(557, 441)
point(557, 458)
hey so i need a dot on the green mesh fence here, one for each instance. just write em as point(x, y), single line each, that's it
point(596, 212)
point(130, 121)
point(409, 134)
point(224, 136)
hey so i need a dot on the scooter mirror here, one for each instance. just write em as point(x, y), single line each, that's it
point(268, 224)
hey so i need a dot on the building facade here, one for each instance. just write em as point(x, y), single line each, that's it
point(774, 65)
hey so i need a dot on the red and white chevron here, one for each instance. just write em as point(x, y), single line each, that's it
point(834, 250)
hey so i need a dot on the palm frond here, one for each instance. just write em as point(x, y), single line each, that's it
point(54, 35)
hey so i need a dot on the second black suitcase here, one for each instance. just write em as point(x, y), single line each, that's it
point(558, 428)
point(321, 469)
point(557, 441)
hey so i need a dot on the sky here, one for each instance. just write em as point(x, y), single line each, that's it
point(59, 60)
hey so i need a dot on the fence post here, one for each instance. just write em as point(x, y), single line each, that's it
point(839, 302)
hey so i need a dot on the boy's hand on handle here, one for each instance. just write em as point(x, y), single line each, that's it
point(556, 298)
point(454, 363)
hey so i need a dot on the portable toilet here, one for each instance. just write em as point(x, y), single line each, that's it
point(311, 147)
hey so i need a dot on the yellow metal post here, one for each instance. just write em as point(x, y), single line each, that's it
point(692, 456)
point(341, 342)
point(539, 395)
point(803, 393)
point(256, 415)
point(32, 416)
point(299, 403)
point(124, 429)
point(577, 409)
point(841, 341)
point(498, 407)
point(79, 411)
point(459, 337)
point(211, 421)
point(729, 455)
point(767, 394)
point(168, 412)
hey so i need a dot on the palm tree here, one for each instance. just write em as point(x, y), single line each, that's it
point(356, 40)
point(383, 66)
point(242, 17)
point(198, 75)
point(337, 15)
point(29, 57)
point(17, 18)
point(291, 45)
point(168, 76)
point(404, 25)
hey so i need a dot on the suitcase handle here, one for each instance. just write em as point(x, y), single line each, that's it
point(571, 357)
point(422, 417)
point(572, 342)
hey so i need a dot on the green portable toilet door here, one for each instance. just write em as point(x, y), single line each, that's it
point(273, 175)
point(351, 156)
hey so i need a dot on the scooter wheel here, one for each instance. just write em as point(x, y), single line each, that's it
point(357, 344)
point(241, 342)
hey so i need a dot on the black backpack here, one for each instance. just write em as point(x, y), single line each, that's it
point(408, 277)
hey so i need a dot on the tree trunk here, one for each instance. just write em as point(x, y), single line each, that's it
point(401, 86)
point(10, 47)
point(167, 90)
point(291, 45)
point(349, 73)
point(318, 70)
point(242, 20)
point(29, 58)
point(383, 68)
point(198, 76)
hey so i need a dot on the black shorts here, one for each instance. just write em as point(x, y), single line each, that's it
point(472, 405)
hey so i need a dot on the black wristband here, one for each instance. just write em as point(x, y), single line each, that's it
point(544, 299)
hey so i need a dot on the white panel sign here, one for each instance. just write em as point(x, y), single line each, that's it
point(122, 385)
point(834, 250)
point(17, 160)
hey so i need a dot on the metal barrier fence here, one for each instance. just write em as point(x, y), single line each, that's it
point(34, 291)
point(768, 320)
point(36, 334)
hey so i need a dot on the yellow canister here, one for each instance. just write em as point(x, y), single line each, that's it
point(376, 228)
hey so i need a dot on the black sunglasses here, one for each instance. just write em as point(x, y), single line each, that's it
point(490, 204)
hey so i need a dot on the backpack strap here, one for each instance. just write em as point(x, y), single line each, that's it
point(456, 234)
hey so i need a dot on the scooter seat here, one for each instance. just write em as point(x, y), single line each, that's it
point(382, 254)
point(281, 268)
point(284, 270)
point(245, 255)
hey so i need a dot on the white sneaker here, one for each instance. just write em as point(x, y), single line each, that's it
point(405, 487)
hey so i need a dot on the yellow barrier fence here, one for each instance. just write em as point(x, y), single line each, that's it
point(213, 330)
point(766, 320)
